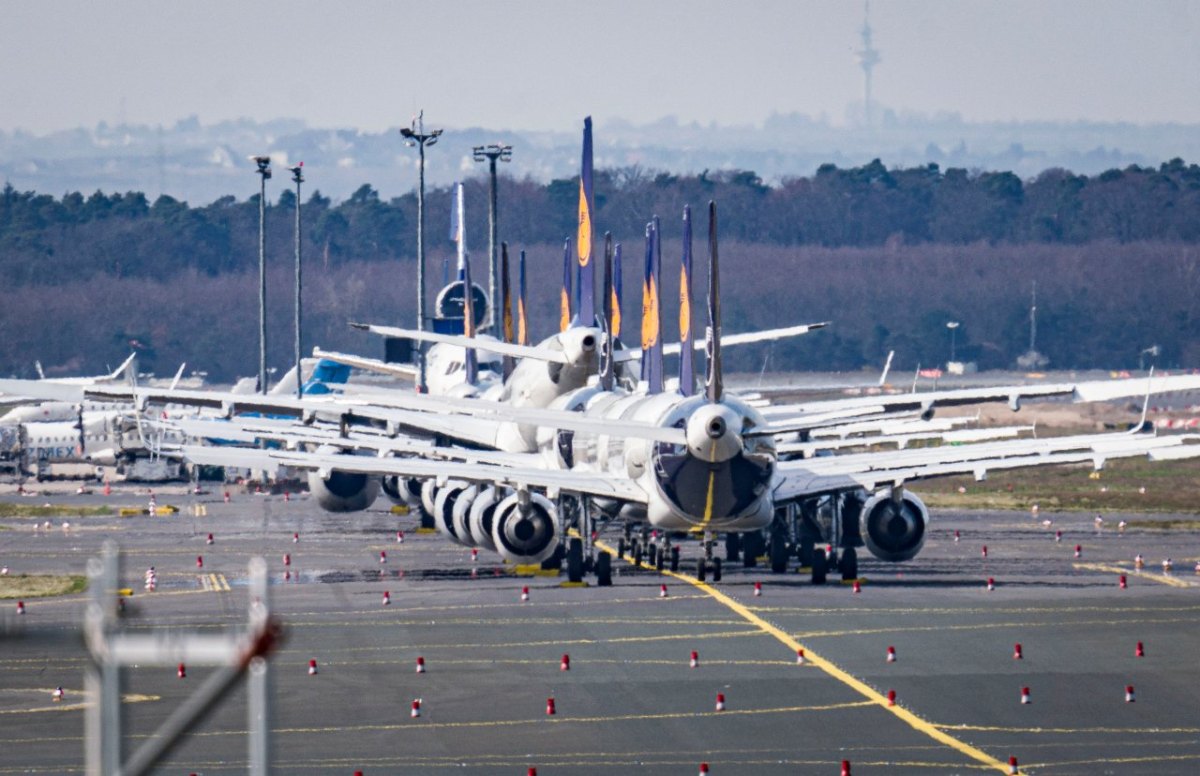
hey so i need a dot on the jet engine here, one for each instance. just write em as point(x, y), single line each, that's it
point(403, 490)
point(343, 491)
point(525, 528)
point(482, 516)
point(460, 513)
point(894, 531)
point(443, 510)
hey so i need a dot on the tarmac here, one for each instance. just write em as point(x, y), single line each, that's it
point(630, 702)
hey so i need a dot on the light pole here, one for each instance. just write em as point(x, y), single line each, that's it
point(953, 327)
point(417, 136)
point(264, 172)
point(298, 177)
point(491, 153)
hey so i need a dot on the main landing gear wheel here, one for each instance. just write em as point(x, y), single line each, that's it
point(604, 570)
point(778, 552)
point(716, 568)
point(701, 570)
point(575, 560)
point(849, 564)
point(818, 567)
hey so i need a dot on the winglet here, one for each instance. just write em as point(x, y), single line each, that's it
point(564, 299)
point(687, 367)
point(652, 368)
point(506, 315)
point(606, 342)
point(522, 319)
point(887, 367)
point(583, 236)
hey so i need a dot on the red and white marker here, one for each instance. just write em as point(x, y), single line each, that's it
point(891, 654)
point(287, 496)
point(1018, 654)
point(956, 535)
point(845, 768)
point(757, 589)
point(181, 672)
point(1012, 766)
point(695, 661)
point(226, 497)
point(1129, 693)
point(1123, 583)
point(799, 657)
point(662, 591)
point(1058, 536)
point(382, 556)
point(1139, 650)
point(199, 561)
point(525, 594)
point(1078, 550)
point(420, 665)
point(550, 709)
point(474, 554)
point(991, 583)
point(565, 663)
point(720, 701)
point(857, 587)
point(58, 694)
point(703, 769)
point(984, 552)
point(287, 559)
point(416, 708)
point(399, 537)
point(531, 772)
point(209, 540)
point(20, 607)
point(891, 697)
point(295, 538)
point(312, 668)
point(1025, 695)
point(387, 598)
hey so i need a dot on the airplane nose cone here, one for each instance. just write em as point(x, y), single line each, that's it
point(712, 434)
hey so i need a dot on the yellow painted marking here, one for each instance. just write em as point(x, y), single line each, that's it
point(1165, 579)
point(224, 582)
point(987, 626)
point(70, 706)
point(872, 695)
point(708, 500)
point(1072, 731)
point(553, 642)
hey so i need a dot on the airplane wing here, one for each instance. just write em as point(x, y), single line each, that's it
point(406, 371)
point(902, 440)
point(766, 335)
point(590, 483)
point(872, 471)
point(498, 347)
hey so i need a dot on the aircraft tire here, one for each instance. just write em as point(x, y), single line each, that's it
point(849, 564)
point(818, 567)
point(779, 552)
point(575, 560)
point(716, 569)
point(621, 547)
point(701, 570)
point(604, 570)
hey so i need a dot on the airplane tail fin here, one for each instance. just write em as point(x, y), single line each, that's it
point(614, 322)
point(606, 341)
point(651, 317)
point(887, 366)
point(564, 300)
point(583, 236)
point(687, 368)
point(506, 315)
point(37, 365)
point(713, 387)
point(117, 373)
point(470, 362)
point(178, 376)
point(522, 319)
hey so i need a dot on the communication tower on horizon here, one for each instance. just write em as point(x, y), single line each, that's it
point(868, 58)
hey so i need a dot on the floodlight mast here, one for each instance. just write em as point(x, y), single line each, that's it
point(298, 178)
point(491, 153)
point(417, 136)
point(264, 172)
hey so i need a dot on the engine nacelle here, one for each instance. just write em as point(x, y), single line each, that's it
point(343, 491)
point(403, 490)
point(894, 532)
point(443, 510)
point(460, 512)
point(483, 515)
point(525, 533)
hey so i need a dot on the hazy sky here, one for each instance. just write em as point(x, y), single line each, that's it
point(544, 64)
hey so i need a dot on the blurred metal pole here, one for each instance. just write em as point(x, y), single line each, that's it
point(491, 153)
point(416, 135)
point(264, 172)
point(298, 177)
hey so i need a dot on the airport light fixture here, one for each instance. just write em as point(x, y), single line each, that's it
point(298, 178)
point(417, 136)
point(264, 172)
point(953, 327)
point(492, 153)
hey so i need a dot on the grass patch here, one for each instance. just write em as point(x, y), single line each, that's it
point(1170, 486)
point(41, 585)
point(17, 509)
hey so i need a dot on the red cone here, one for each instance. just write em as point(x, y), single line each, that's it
point(703, 769)
point(181, 672)
point(382, 556)
point(758, 589)
point(199, 561)
point(695, 661)
point(1139, 650)
point(845, 768)
point(662, 591)
point(287, 559)
point(891, 654)
point(984, 551)
point(857, 587)
point(209, 540)
point(1123, 583)
point(1078, 550)
point(312, 668)
point(20, 607)
point(226, 497)
point(387, 598)
point(474, 554)
point(399, 537)
point(416, 708)
point(1012, 766)
point(1017, 653)
point(525, 593)
point(891, 696)
point(720, 701)
point(956, 535)
point(550, 710)
point(531, 772)
point(991, 583)
point(1025, 695)
point(420, 665)
point(799, 657)
point(1058, 536)
point(1129, 693)
point(295, 538)
point(565, 665)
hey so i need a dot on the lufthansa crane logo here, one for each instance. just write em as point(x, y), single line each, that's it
point(649, 314)
point(584, 241)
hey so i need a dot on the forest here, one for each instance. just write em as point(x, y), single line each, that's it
point(889, 256)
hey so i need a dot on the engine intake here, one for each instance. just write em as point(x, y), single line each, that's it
point(525, 534)
point(894, 531)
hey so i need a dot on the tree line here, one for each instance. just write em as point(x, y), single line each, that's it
point(889, 256)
